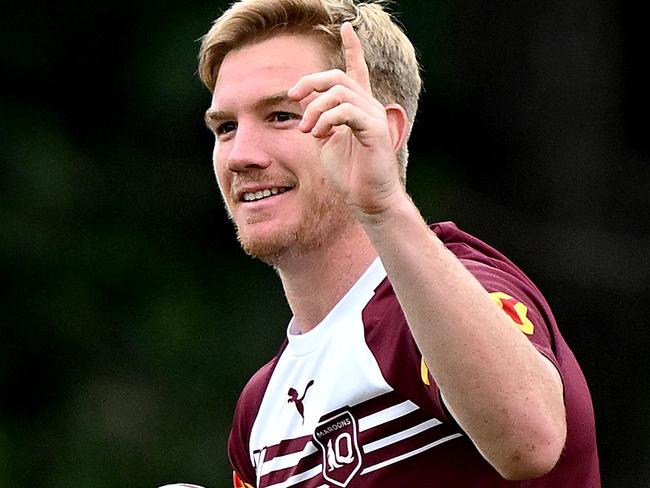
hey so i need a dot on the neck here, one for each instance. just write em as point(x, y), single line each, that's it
point(314, 282)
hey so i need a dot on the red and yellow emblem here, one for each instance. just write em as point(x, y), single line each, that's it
point(238, 483)
point(517, 311)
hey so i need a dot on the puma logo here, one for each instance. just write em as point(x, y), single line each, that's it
point(293, 398)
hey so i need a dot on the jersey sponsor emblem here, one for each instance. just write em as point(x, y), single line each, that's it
point(339, 445)
point(237, 481)
point(517, 311)
point(293, 398)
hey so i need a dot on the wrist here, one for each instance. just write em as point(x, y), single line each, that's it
point(392, 208)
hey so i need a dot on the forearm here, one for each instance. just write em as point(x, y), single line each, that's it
point(501, 390)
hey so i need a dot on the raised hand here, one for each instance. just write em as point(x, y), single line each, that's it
point(359, 135)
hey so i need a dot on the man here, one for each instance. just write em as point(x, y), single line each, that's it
point(414, 357)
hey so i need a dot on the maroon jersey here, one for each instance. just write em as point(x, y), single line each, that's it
point(352, 404)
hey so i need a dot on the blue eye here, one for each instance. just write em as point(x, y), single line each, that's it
point(225, 128)
point(283, 116)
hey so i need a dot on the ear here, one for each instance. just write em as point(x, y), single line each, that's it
point(398, 123)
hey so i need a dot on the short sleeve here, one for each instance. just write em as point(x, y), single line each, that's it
point(520, 300)
point(244, 475)
point(244, 472)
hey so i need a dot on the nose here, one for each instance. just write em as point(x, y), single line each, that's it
point(247, 149)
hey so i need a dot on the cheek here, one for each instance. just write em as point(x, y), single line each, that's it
point(220, 171)
point(223, 181)
point(305, 153)
point(218, 157)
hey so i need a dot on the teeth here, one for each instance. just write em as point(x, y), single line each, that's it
point(259, 195)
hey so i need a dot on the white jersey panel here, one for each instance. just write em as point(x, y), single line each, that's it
point(319, 372)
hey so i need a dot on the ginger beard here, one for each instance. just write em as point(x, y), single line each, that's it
point(324, 216)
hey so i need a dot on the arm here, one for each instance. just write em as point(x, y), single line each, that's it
point(501, 390)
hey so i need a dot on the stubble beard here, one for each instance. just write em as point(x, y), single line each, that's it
point(323, 220)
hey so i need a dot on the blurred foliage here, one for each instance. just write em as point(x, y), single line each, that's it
point(131, 319)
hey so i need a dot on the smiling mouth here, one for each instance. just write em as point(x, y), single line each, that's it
point(262, 194)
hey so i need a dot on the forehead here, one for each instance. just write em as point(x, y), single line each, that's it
point(269, 66)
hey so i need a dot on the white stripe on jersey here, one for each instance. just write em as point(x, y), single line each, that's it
point(288, 460)
point(297, 478)
point(405, 434)
point(386, 415)
point(407, 455)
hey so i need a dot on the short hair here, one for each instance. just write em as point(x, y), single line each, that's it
point(390, 56)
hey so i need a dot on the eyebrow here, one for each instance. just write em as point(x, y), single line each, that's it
point(213, 117)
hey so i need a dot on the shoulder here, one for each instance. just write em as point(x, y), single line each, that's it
point(246, 411)
point(509, 287)
point(253, 392)
point(498, 274)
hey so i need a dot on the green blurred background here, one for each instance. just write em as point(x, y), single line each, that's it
point(130, 319)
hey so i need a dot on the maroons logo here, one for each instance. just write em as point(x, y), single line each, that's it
point(337, 439)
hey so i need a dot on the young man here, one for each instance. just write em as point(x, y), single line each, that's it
point(416, 356)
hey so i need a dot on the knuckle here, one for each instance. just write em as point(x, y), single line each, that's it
point(340, 92)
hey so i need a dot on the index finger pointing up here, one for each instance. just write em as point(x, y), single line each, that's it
point(355, 64)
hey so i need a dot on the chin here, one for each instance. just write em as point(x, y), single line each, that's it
point(269, 254)
point(271, 248)
point(271, 240)
point(267, 247)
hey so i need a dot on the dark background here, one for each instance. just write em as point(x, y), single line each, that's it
point(130, 319)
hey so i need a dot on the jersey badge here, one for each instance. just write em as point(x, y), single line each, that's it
point(517, 311)
point(339, 445)
point(298, 402)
